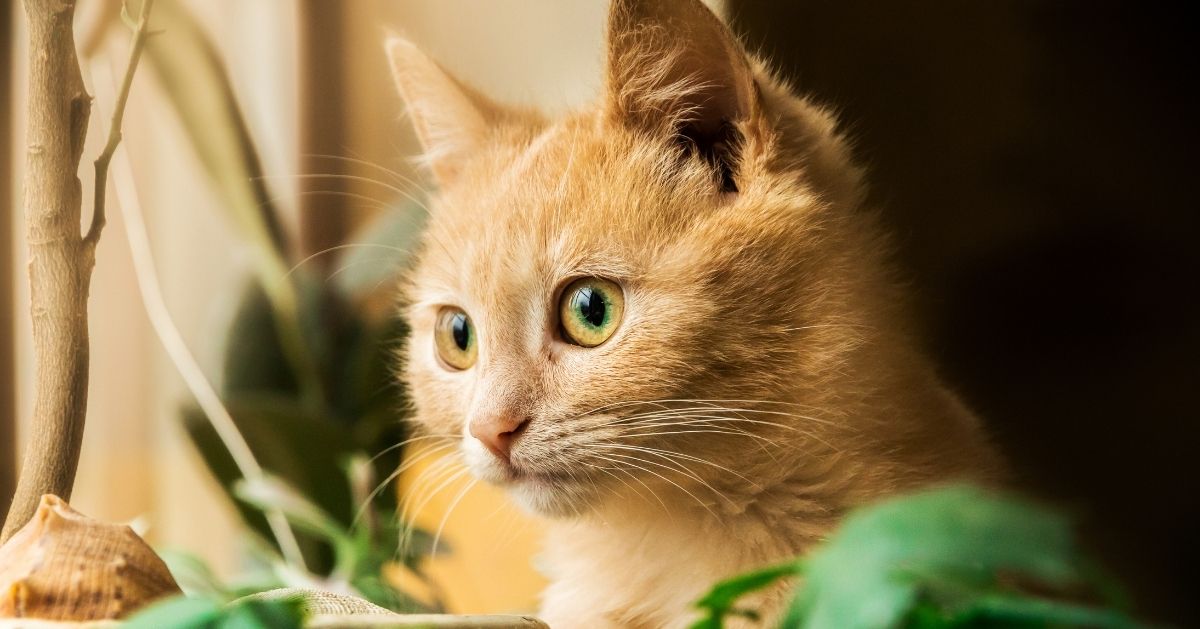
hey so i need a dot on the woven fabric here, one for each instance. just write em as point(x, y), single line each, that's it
point(320, 602)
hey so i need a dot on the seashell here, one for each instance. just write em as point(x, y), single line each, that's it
point(63, 565)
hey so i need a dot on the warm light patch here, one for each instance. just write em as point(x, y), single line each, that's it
point(489, 568)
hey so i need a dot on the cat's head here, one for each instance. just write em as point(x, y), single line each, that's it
point(633, 298)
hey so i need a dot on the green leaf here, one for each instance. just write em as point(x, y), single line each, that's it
point(177, 613)
point(259, 614)
point(190, 69)
point(380, 251)
point(302, 449)
point(946, 558)
point(193, 575)
point(365, 399)
point(253, 359)
point(272, 493)
point(1015, 611)
point(203, 613)
point(871, 572)
point(359, 558)
point(193, 77)
point(719, 602)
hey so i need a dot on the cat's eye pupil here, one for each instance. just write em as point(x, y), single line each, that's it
point(590, 310)
point(454, 339)
point(590, 305)
point(461, 331)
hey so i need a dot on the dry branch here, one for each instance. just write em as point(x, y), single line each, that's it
point(60, 264)
point(60, 258)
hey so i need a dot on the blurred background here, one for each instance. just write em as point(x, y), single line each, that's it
point(1032, 159)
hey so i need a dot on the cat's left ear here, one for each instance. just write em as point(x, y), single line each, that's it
point(451, 119)
point(674, 67)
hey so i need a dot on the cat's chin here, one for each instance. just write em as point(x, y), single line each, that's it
point(543, 493)
point(552, 498)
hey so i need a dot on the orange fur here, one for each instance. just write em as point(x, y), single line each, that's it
point(763, 380)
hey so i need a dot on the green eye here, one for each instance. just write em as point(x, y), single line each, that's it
point(454, 337)
point(591, 310)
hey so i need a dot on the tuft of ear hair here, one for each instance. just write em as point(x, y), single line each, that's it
point(451, 119)
point(674, 68)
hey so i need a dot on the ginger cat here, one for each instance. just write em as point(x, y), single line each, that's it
point(666, 322)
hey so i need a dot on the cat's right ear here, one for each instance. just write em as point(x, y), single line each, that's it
point(674, 68)
point(451, 119)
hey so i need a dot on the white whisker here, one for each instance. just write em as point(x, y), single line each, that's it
point(687, 457)
point(393, 476)
point(400, 178)
point(679, 467)
point(649, 471)
point(446, 517)
point(340, 247)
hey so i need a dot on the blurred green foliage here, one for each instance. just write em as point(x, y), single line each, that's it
point(307, 374)
point(308, 445)
point(953, 557)
point(207, 613)
point(360, 553)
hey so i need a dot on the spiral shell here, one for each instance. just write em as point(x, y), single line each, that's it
point(63, 565)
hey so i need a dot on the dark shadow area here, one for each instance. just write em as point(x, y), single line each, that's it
point(8, 405)
point(1035, 163)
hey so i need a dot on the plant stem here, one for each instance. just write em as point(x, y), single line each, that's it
point(193, 76)
point(114, 129)
point(183, 359)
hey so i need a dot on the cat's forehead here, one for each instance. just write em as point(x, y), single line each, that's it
point(573, 198)
point(533, 175)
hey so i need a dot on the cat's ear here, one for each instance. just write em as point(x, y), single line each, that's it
point(451, 119)
point(673, 66)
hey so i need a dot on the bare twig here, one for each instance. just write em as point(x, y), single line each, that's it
point(183, 359)
point(140, 34)
point(192, 74)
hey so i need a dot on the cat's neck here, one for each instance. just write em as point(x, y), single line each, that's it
point(636, 557)
point(905, 430)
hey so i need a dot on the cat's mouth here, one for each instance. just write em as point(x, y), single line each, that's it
point(535, 484)
point(514, 475)
point(548, 492)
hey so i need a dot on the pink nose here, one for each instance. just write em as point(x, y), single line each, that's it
point(497, 432)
